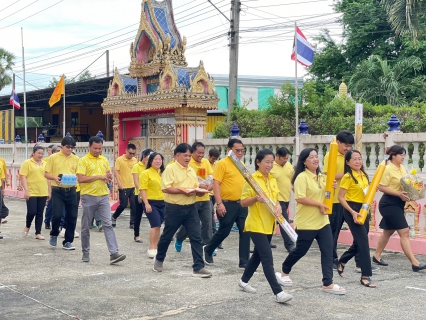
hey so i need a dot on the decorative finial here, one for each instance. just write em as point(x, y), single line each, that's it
point(100, 134)
point(41, 138)
point(393, 123)
point(303, 127)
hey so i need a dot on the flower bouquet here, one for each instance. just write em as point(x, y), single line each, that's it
point(413, 185)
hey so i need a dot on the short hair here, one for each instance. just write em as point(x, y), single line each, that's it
point(282, 152)
point(145, 153)
point(197, 144)
point(261, 154)
point(231, 142)
point(345, 136)
point(50, 147)
point(182, 148)
point(68, 141)
point(151, 158)
point(54, 148)
point(395, 150)
point(131, 146)
point(214, 153)
point(95, 139)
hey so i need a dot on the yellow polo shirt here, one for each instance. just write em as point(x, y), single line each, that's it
point(307, 185)
point(204, 164)
point(36, 182)
point(178, 176)
point(125, 166)
point(354, 191)
point(170, 163)
point(93, 166)
point(231, 180)
point(283, 174)
point(150, 180)
point(3, 169)
point(340, 168)
point(138, 168)
point(213, 166)
point(59, 163)
point(392, 176)
point(259, 218)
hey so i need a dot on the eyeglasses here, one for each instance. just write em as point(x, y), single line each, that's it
point(69, 147)
point(238, 150)
point(132, 153)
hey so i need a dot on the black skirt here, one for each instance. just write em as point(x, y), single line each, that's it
point(392, 211)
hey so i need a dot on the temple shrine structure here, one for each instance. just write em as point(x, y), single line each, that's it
point(161, 102)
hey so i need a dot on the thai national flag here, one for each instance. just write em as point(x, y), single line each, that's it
point(14, 100)
point(305, 52)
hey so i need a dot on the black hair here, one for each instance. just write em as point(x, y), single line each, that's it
point(282, 152)
point(151, 158)
point(68, 141)
point(261, 154)
point(50, 147)
point(345, 136)
point(214, 153)
point(348, 169)
point(182, 148)
point(197, 144)
point(145, 153)
point(95, 139)
point(131, 146)
point(37, 147)
point(231, 142)
point(395, 150)
point(300, 166)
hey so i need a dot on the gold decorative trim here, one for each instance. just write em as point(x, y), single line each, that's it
point(118, 81)
point(197, 85)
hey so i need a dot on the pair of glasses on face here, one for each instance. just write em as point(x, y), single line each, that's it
point(69, 147)
point(132, 153)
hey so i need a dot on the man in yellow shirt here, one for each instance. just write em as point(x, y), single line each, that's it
point(93, 174)
point(345, 140)
point(204, 171)
point(4, 211)
point(179, 183)
point(227, 187)
point(283, 172)
point(213, 157)
point(126, 185)
point(54, 148)
point(2, 178)
point(60, 164)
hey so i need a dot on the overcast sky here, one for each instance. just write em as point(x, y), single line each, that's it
point(66, 36)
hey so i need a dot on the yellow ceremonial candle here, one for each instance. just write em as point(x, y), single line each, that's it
point(368, 199)
point(331, 173)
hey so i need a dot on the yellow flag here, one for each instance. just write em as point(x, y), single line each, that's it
point(60, 89)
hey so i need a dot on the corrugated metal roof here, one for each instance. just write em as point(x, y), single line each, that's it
point(256, 81)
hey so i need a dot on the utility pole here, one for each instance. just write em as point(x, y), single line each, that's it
point(233, 54)
point(108, 116)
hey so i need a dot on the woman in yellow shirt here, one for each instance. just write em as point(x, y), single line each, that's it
point(35, 190)
point(260, 225)
point(351, 197)
point(153, 198)
point(311, 221)
point(391, 207)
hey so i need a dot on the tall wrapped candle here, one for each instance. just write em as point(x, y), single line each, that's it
point(331, 173)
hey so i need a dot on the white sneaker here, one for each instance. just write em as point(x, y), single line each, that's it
point(62, 233)
point(283, 297)
point(76, 234)
point(152, 253)
point(246, 287)
point(284, 281)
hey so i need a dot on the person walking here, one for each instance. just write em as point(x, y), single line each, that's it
point(93, 174)
point(2, 178)
point(260, 225)
point(54, 148)
point(179, 182)
point(311, 221)
point(4, 211)
point(126, 186)
point(213, 157)
point(391, 208)
point(35, 190)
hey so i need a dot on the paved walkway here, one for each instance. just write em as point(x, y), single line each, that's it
point(47, 283)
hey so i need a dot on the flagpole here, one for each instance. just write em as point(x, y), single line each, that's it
point(296, 104)
point(25, 97)
point(63, 122)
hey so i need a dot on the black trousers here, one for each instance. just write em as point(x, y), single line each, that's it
point(35, 208)
point(64, 198)
point(139, 209)
point(336, 222)
point(262, 253)
point(174, 216)
point(288, 243)
point(125, 196)
point(304, 241)
point(234, 213)
point(213, 201)
point(360, 247)
point(4, 211)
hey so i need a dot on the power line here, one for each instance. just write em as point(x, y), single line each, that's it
point(18, 10)
point(9, 6)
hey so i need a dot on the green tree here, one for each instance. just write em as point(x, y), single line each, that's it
point(6, 65)
point(85, 76)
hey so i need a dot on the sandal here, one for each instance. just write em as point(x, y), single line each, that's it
point(284, 281)
point(25, 232)
point(335, 290)
point(340, 272)
point(368, 284)
point(39, 237)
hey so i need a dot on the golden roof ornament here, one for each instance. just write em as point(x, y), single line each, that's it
point(343, 89)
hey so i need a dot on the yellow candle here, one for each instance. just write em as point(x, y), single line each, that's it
point(368, 199)
point(331, 173)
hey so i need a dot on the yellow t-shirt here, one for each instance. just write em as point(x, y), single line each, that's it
point(2, 169)
point(354, 191)
point(59, 163)
point(259, 218)
point(340, 168)
point(307, 185)
point(199, 168)
point(150, 180)
point(93, 166)
point(138, 168)
point(392, 177)
point(178, 176)
point(231, 180)
point(283, 174)
point(125, 166)
point(36, 182)
point(213, 166)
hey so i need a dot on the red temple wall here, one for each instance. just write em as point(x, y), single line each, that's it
point(133, 129)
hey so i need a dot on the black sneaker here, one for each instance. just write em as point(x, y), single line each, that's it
point(113, 222)
point(53, 241)
point(208, 258)
point(1, 236)
point(132, 226)
point(47, 225)
point(116, 257)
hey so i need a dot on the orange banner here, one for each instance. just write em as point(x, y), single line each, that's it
point(59, 90)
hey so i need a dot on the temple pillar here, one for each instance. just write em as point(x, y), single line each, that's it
point(190, 124)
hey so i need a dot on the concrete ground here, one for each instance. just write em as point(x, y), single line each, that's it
point(39, 282)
